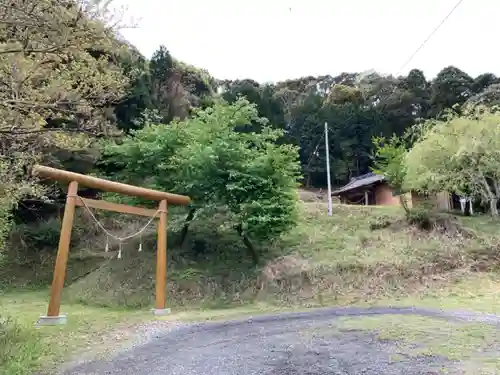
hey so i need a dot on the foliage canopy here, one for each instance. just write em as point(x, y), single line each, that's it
point(58, 76)
point(460, 154)
point(211, 158)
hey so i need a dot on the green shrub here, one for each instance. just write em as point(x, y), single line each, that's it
point(5, 224)
point(27, 243)
point(420, 217)
point(45, 234)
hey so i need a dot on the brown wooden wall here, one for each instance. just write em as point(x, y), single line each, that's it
point(384, 196)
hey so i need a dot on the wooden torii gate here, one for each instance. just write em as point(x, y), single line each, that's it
point(72, 200)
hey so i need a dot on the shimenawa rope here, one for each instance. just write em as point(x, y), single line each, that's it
point(109, 234)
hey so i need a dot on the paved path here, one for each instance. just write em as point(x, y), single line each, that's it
point(286, 344)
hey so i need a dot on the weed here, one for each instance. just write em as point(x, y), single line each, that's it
point(23, 348)
point(20, 349)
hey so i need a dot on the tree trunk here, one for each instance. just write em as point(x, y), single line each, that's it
point(251, 249)
point(493, 206)
point(404, 203)
point(185, 228)
point(467, 208)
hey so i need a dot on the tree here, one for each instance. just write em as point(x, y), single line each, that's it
point(177, 87)
point(13, 186)
point(459, 155)
point(306, 131)
point(483, 81)
point(263, 96)
point(374, 86)
point(58, 80)
point(199, 84)
point(450, 87)
point(247, 174)
point(289, 99)
point(168, 95)
point(51, 80)
point(390, 162)
point(489, 98)
point(400, 102)
point(342, 94)
point(129, 110)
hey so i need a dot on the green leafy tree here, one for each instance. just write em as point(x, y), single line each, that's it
point(199, 84)
point(390, 156)
point(451, 87)
point(167, 92)
point(420, 88)
point(488, 98)
point(459, 154)
point(247, 174)
point(51, 78)
point(483, 81)
point(59, 80)
point(342, 94)
point(138, 99)
point(261, 95)
point(176, 87)
point(13, 186)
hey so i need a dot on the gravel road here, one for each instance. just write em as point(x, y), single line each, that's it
point(285, 344)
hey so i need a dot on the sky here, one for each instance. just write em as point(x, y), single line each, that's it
point(274, 40)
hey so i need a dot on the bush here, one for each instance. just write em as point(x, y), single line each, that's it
point(28, 243)
point(13, 187)
point(34, 242)
point(45, 234)
point(420, 217)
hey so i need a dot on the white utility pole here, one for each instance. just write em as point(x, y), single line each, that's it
point(328, 171)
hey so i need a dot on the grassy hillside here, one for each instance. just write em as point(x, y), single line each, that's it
point(360, 254)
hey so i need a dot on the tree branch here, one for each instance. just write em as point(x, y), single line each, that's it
point(185, 227)
point(495, 185)
point(250, 247)
point(48, 130)
point(32, 50)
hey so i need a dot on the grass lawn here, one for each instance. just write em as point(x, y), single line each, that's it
point(91, 332)
point(474, 345)
point(474, 291)
point(94, 331)
point(27, 346)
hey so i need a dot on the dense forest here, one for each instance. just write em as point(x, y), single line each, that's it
point(356, 105)
point(68, 81)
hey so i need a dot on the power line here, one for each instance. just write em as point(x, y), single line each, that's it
point(429, 37)
point(315, 152)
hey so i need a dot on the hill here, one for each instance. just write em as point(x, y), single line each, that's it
point(360, 254)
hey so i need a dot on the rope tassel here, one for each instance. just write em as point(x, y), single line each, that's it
point(120, 252)
point(140, 247)
point(106, 249)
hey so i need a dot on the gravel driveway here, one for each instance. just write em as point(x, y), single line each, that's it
point(286, 344)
